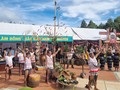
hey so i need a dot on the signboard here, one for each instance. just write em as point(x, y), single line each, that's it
point(103, 33)
point(22, 38)
point(112, 37)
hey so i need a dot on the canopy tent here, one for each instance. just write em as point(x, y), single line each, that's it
point(9, 32)
point(89, 34)
point(42, 30)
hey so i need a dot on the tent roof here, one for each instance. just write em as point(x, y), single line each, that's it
point(90, 34)
point(77, 33)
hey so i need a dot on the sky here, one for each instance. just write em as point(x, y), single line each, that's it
point(69, 13)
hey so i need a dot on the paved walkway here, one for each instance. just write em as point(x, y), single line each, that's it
point(102, 85)
point(117, 75)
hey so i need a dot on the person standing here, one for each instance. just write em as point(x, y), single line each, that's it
point(93, 67)
point(9, 64)
point(32, 54)
point(109, 59)
point(27, 66)
point(116, 60)
point(37, 57)
point(70, 58)
point(21, 61)
point(49, 64)
point(102, 59)
point(15, 59)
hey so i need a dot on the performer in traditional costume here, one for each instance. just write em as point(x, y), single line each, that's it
point(116, 60)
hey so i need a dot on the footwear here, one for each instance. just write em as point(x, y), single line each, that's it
point(86, 86)
point(96, 89)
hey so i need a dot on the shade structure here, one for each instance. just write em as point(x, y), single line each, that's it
point(44, 30)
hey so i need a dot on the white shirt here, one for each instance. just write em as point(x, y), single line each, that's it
point(32, 56)
point(49, 62)
point(9, 60)
point(69, 56)
point(93, 64)
point(21, 57)
point(31, 53)
point(27, 64)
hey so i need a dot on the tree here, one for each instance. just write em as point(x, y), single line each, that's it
point(109, 24)
point(117, 23)
point(92, 24)
point(101, 26)
point(83, 24)
point(117, 19)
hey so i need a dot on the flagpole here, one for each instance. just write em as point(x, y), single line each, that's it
point(54, 37)
point(55, 3)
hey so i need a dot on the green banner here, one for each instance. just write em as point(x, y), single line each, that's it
point(28, 38)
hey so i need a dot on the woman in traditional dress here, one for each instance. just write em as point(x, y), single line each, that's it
point(93, 67)
point(116, 59)
point(109, 59)
point(102, 59)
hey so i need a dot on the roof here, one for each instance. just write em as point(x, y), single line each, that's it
point(77, 33)
point(90, 34)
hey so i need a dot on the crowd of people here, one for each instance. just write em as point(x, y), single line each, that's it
point(27, 59)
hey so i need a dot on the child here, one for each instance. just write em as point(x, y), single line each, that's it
point(27, 67)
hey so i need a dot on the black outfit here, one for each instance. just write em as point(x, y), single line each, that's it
point(59, 56)
point(109, 60)
point(116, 60)
point(15, 61)
point(102, 60)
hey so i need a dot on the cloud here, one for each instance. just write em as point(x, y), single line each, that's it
point(22, 12)
point(10, 14)
point(116, 10)
point(89, 9)
point(39, 6)
point(71, 11)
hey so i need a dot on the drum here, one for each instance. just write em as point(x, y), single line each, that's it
point(33, 80)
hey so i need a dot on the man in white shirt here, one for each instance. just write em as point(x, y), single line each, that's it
point(70, 58)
